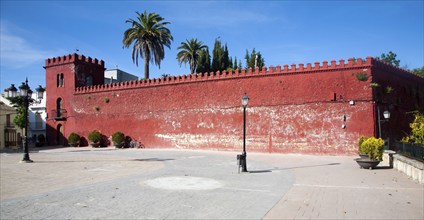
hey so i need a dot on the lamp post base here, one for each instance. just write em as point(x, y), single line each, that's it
point(26, 161)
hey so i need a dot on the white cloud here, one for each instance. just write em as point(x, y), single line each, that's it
point(16, 51)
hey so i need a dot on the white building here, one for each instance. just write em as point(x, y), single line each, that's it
point(37, 121)
point(37, 118)
point(117, 75)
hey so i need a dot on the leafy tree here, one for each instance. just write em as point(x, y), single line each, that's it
point(220, 57)
point(18, 103)
point(389, 58)
point(419, 71)
point(148, 34)
point(417, 130)
point(189, 52)
point(254, 58)
point(204, 61)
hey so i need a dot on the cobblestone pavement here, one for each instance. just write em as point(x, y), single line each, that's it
point(108, 183)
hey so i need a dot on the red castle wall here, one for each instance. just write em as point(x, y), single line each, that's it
point(296, 109)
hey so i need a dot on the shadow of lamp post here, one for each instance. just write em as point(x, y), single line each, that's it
point(25, 93)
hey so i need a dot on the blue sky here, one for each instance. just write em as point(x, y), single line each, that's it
point(285, 32)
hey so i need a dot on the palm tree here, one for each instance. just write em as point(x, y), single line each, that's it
point(148, 34)
point(189, 53)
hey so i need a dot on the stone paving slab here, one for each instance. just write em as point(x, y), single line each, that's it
point(108, 183)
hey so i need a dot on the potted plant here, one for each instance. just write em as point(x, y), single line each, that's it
point(361, 150)
point(74, 140)
point(373, 147)
point(94, 137)
point(41, 140)
point(118, 139)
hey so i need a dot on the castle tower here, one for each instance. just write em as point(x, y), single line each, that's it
point(63, 75)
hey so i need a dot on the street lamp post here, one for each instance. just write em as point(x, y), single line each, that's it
point(244, 101)
point(25, 92)
point(386, 115)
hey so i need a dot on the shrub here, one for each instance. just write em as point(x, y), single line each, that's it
point(417, 130)
point(362, 76)
point(94, 136)
point(118, 138)
point(41, 138)
point(73, 138)
point(361, 149)
point(373, 147)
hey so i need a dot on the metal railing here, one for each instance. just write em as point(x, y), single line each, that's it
point(60, 114)
point(415, 151)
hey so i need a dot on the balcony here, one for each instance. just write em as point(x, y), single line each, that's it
point(59, 115)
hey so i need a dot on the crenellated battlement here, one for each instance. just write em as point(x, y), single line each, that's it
point(72, 58)
point(391, 68)
point(200, 77)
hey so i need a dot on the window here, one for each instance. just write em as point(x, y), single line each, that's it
point(8, 124)
point(60, 80)
point(38, 121)
point(59, 108)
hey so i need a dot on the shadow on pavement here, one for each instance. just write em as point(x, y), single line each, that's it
point(153, 159)
point(320, 165)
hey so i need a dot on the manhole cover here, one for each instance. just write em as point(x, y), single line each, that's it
point(184, 183)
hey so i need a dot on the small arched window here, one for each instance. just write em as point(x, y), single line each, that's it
point(59, 108)
point(60, 80)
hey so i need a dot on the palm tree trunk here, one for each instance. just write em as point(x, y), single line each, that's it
point(146, 63)
point(146, 69)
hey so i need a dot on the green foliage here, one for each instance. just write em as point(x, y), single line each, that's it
point(94, 136)
point(417, 130)
point(362, 76)
point(220, 57)
point(189, 52)
point(389, 58)
point(372, 146)
point(106, 100)
point(41, 138)
point(74, 138)
point(419, 71)
point(389, 89)
point(96, 108)
point(118, 138)
point(165, 75)
point(148, 34)
point(361, 149)
point(204, 61)
point(374, 84)
point(254, 57)
point(18, 103)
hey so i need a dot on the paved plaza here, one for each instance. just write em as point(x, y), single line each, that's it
point(108, 183)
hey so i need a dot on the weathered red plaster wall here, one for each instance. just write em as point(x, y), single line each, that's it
point(294, 109)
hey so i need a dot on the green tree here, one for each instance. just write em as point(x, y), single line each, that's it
point(417, 130)
point(18, 103)
point(419, 71)
point(254, 59)
point(204, 61)
point(189, 52)
point(220, 56)
point(148, 34)
point(389, 58)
